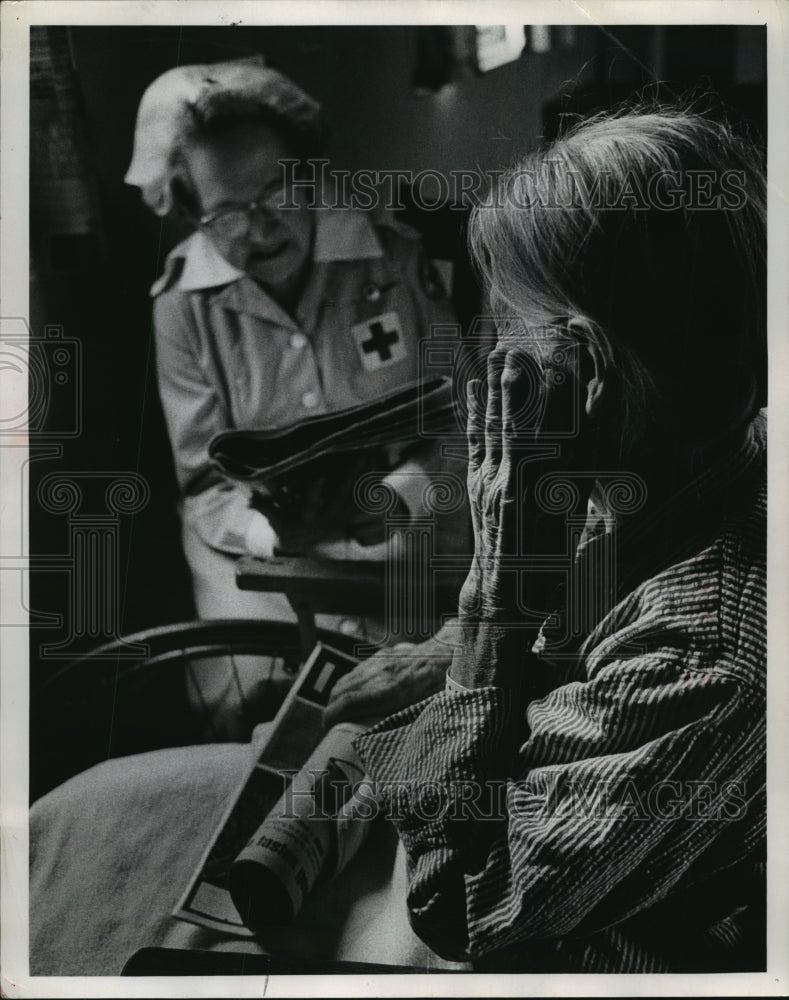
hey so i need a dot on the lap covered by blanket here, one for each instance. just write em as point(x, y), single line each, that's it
point(113, 849)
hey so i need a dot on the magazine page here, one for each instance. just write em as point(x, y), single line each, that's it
point(296, 734)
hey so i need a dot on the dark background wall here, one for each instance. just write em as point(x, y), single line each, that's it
point(97, 288)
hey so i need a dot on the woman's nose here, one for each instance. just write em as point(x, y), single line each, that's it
point(263, 223)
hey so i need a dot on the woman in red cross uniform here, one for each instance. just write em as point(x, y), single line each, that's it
point(265, 314)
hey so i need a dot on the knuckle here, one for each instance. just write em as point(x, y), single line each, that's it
point(510, 375)
point(349, 681)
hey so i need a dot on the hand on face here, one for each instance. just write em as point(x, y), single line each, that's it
point(517, 432)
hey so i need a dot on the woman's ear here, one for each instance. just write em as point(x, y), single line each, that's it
point(595, 364)
point(595, 390)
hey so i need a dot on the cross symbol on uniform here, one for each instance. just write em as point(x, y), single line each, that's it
point(380, 341)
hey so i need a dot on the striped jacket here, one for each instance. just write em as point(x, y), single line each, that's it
point(617, 823)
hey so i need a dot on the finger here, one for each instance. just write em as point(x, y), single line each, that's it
point(343, 697)
point(338, 710)
point(508, 488)
point(562, 388)
point(355, 686)
point(475, 424)
point(493, 412)
point(362, 703)
point(377, 686)
point(523, 395)
point(349, 682)
point(517, 384)
point(509, 405)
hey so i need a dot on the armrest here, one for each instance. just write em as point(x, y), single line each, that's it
point(335, 586)
point(331, 586)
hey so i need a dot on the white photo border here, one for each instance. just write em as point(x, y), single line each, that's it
point(17, 18)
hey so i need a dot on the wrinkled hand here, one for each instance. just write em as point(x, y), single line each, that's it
point(497, 433)
point(391, 679)
point(509, 449)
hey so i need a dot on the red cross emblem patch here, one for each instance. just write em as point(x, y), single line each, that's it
point(379, 341)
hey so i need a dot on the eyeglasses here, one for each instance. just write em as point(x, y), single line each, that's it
point(233, 219)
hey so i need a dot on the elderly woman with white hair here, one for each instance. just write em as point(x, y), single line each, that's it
point(588, 792)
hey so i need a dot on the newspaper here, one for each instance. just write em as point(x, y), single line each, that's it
point(297, 738)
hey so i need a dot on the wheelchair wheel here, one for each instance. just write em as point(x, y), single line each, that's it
point(138, 693)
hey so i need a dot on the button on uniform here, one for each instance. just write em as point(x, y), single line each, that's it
point(298, 341)
point(309, 400)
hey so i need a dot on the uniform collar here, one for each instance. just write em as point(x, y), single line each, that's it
point(339, 235)
point(204, 266)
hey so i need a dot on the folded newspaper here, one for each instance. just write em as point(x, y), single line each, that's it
point(279, 457)
point(304, 477)
point(295, 819)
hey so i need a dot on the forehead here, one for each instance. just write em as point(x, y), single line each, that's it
point(237, 160)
